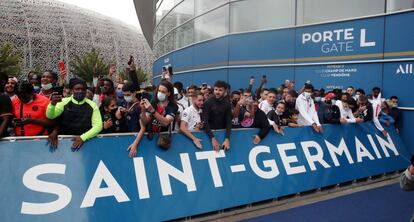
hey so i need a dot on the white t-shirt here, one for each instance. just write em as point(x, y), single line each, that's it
point(184, 102)
point(348, 115)
point(192, 117)
point(265, 106)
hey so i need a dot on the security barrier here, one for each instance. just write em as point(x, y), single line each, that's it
point(100, 182)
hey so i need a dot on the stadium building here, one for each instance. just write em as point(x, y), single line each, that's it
point(46, 31)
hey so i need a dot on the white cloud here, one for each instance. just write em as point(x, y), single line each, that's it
point(123, 10)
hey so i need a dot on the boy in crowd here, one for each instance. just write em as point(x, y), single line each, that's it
point(293, 119)
point(267, 105)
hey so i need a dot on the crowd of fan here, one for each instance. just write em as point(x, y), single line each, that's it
point(44, 105)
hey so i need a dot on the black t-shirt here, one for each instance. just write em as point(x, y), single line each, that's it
point(5, 109)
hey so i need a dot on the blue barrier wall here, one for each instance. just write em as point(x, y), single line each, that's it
point(100, 183)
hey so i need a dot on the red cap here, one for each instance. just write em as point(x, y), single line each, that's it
point(329, 96)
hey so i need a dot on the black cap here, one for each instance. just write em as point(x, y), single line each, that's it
point(76, 81)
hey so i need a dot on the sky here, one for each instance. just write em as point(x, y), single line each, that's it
point(123, 10)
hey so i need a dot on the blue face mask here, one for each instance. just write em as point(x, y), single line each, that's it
point(128, 99)
point(119, 94)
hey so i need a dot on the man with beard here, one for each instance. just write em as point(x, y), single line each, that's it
point(191, 119)
point(217, 115)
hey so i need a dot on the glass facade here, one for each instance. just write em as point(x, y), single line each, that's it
point(398, 5)
point(180, 23)
point(314, 11)
point(212, 24)
point(270, 14)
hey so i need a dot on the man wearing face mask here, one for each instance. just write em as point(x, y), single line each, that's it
point(130, 109)
point(79, 115)
point(307, 111)
point(48, 83)
point(29, 110)
point(217, 115)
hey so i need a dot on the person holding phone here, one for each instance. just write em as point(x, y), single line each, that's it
point(162, 112)
point(49, 84)
point(29, 110)
point(130, 108)
point(79, 115)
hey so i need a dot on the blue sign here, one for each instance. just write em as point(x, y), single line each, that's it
point(100, 183)
point(341, 76)
point(351, 40)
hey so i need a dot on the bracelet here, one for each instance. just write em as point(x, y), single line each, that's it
point(153, 112)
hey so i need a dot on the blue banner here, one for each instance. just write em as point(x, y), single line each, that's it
point(100, 182)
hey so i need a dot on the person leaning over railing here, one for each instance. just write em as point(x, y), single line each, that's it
point(29, 110)
point(79, 115)
point(307, 111)
point(217, 115)
point(191, 119)
point(161, 113)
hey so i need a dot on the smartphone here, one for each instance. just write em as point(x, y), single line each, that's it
point(264, 76)
point(106, 117)
point(146, 95)
point(131, 59)
point(62, 66)
point(251, 77)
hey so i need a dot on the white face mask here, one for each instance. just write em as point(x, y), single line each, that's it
point(47, 86)
point(128, 99)
point(356, 97)
point(307, 95)
point(318, 99)
point(161, 96)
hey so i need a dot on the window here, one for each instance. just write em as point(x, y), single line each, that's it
point(398, 5)
point(181, 13)
point(184, 35)
point(212, 24)
point(267, 14)
point(313, 11)
point(202, 6)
